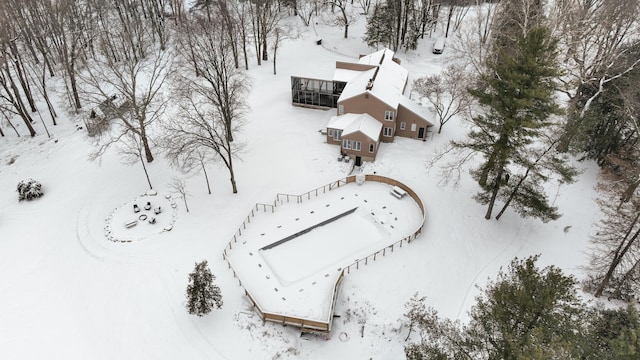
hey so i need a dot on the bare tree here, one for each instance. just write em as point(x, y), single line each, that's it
point(131, 92)
point(201, 129)
point(179, 186)
point(446, 92)
point(130, 149)
point(213, 104)
point(280, 33)
point(596, 37)
point(72, 30)
point(265, 15)
point(10, 93)
point(365, 5)
point(615, 256)
point(615, 250)
point(307, 9)
point(474, 45)
point(345, 16)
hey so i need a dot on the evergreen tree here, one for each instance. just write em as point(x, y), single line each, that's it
point(517, 94)
point(202, 293)
point(613, 334)
point(527, 313)
point(607, 126)
point(378, 30)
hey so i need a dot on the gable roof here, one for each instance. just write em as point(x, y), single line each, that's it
point(351, 123)
point(423, 112)
point(387, 78)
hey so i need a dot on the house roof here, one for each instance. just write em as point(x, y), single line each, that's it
point(345, 75)
point(351, 123)
point(388, 79)
point(422, 111)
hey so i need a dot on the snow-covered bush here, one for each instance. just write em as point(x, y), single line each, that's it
point(202, 293)
point(29, 189)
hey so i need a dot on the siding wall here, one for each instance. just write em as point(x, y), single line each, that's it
point(365, 141)
point(410, 118)
point(369, 104)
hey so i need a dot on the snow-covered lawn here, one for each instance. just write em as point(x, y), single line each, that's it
point(67, 292)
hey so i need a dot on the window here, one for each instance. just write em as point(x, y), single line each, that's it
point(346, 144)
point(413, 127)
point(330, 133)
point(340, 109)
point(387, 131)
point(336, 135)
point(403, 125)
point(388, 115)
point(372, 148)
point(356, 145)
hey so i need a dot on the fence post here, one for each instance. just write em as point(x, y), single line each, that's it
point(384, 251)
point(366, 260)
point(357, 264)
point(374, 255)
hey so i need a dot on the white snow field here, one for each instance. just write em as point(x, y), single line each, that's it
point(291, 257)
point(68, 292)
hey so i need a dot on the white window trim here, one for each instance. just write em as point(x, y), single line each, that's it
point(414, 127)
point(340, 109)
point(388, 130)
point(337, 134)
point(389, 115)
point(372, 148)
point(330, 133)
point(356, 145)
point(403, 125)
point(346, 144)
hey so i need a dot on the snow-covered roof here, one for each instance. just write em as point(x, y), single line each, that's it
point(350, 123)
point(345, 75)
point(389, 78)
point(417, 109)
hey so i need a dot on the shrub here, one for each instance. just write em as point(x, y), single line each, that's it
point(29, 190)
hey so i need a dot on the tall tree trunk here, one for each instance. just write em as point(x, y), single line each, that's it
point(494, 193)
point(206, 177)
point(146, 173)
point(618, 255)
point(145, 142)
point(17, 101)
point(18, 66)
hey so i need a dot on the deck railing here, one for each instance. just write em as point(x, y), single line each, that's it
point(308, 325)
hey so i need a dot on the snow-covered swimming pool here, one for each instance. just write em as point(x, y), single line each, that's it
point(289, 259)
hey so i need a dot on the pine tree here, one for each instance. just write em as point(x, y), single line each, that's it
point(378, 30)
point(526, 313)
point(202, 293)
point(517, 94)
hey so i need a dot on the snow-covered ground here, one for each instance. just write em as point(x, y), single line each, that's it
point(67, 292)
